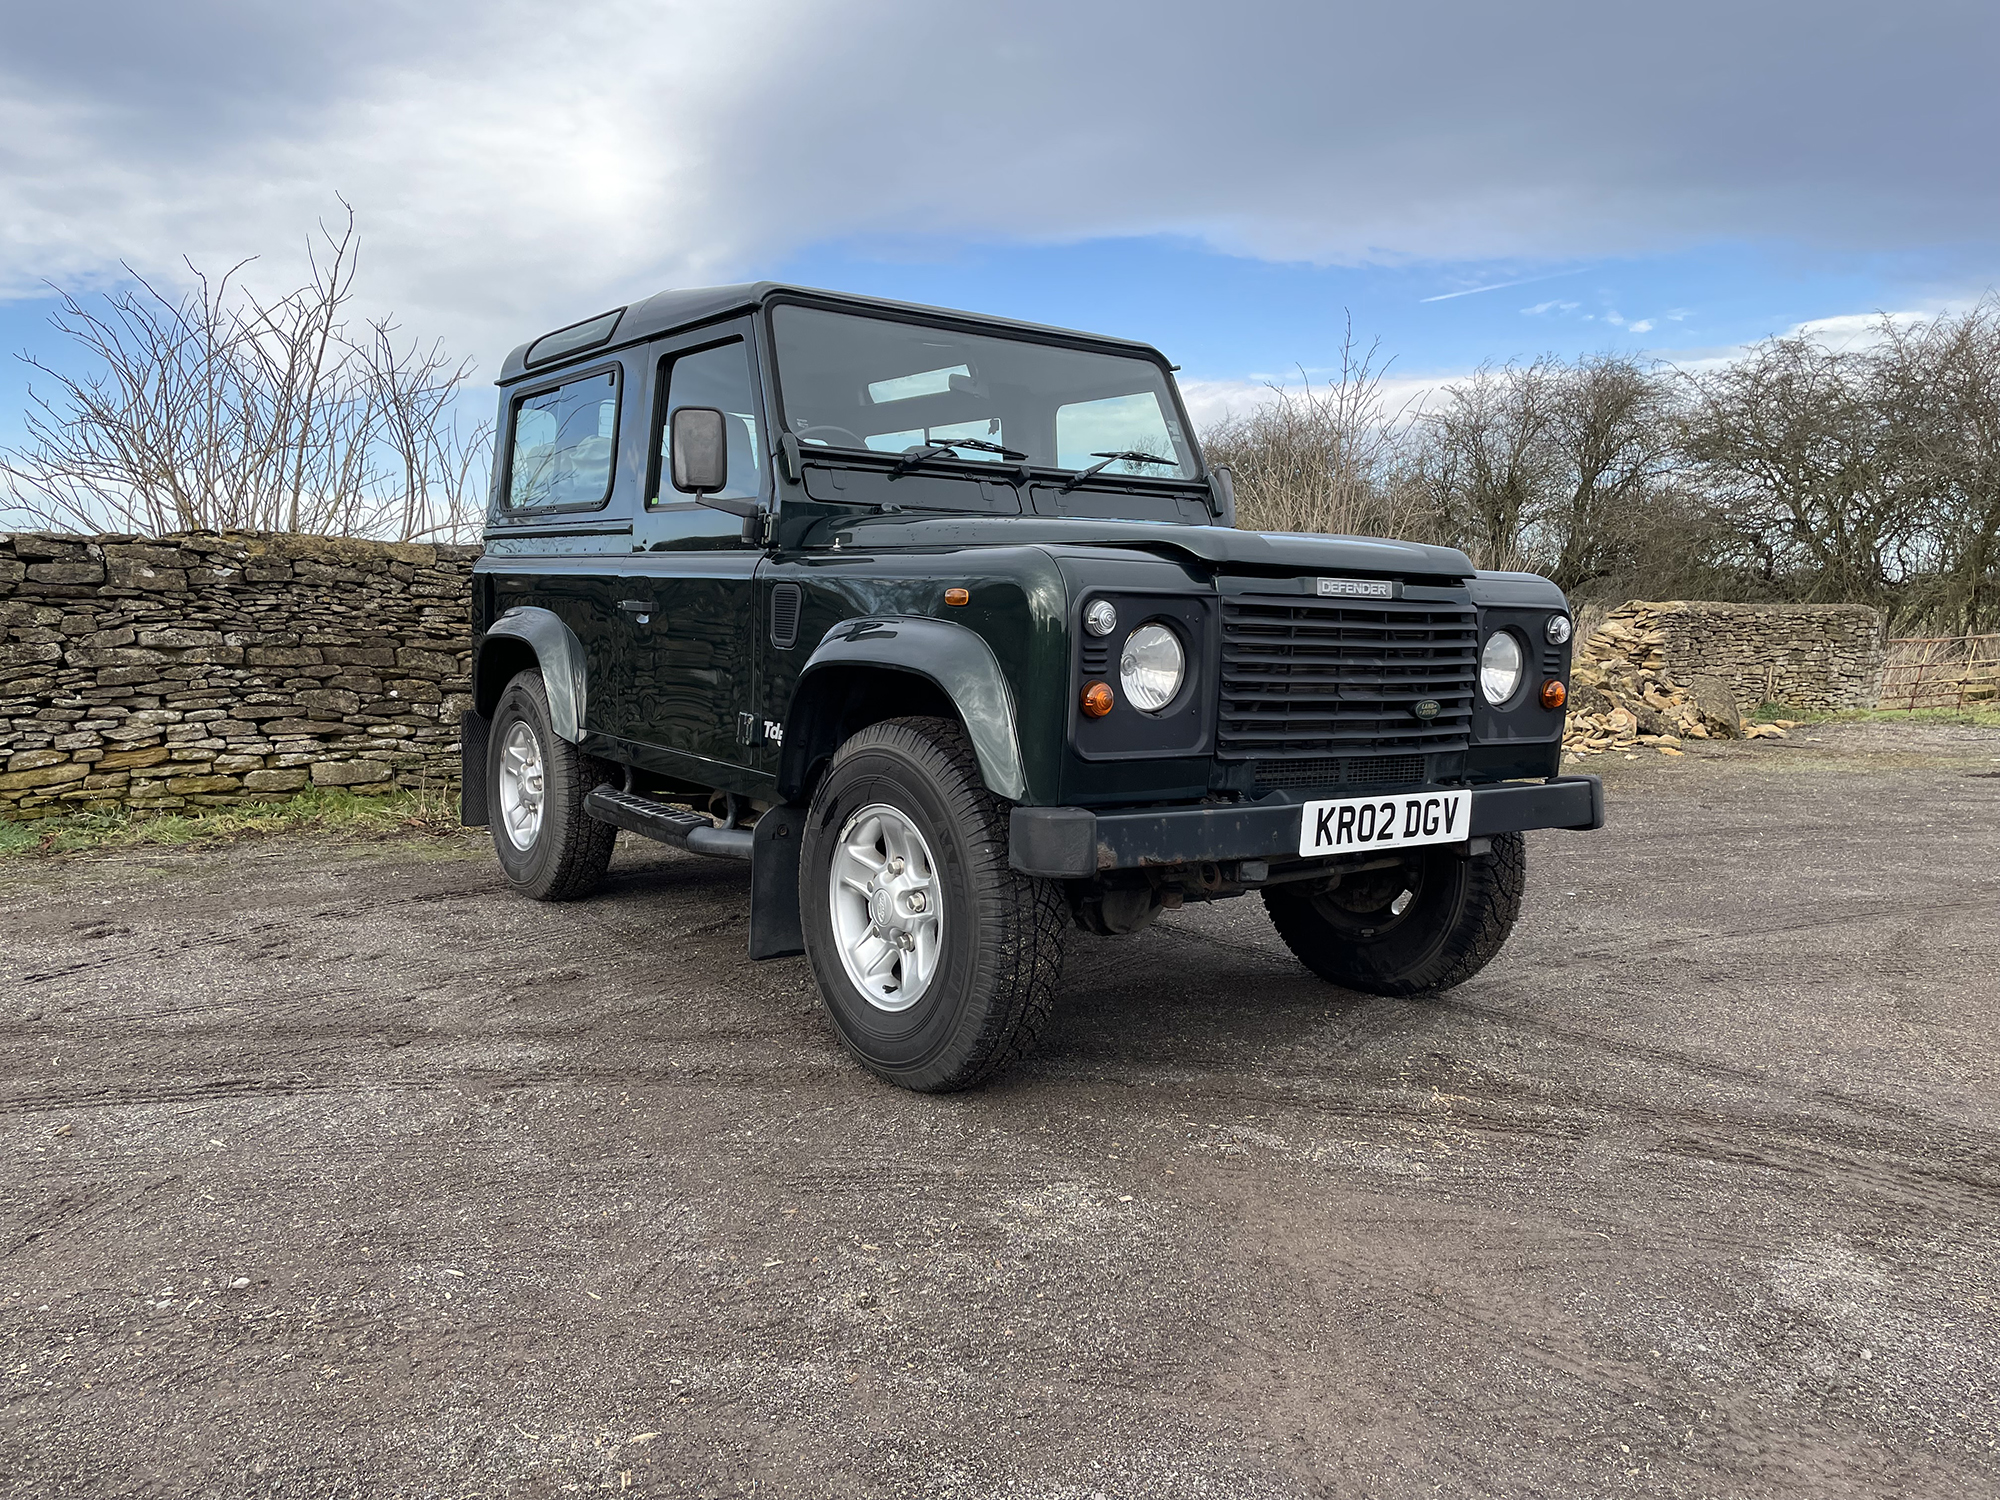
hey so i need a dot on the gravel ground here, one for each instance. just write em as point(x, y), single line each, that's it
point(332, 1169)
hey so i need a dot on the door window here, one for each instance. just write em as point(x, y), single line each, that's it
point(562, 445)
point(719, 377)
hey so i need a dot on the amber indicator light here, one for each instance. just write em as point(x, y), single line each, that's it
point(1097, 699)
point(958, 596)
point(1554, 694)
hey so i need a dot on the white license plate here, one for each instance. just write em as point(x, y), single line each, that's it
point(1349, 825)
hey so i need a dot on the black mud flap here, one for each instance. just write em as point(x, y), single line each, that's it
point(774, 884)
point(472, 732)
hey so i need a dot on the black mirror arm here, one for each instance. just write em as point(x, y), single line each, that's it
point(733, 505)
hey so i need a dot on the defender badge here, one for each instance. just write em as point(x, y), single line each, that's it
point(1427, 710)
point(1357, 588)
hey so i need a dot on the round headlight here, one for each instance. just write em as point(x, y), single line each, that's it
point(1557, 629)
point(1500, 667)
point(1151, 668)
point(1101, 618)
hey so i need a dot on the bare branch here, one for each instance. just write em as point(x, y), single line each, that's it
point(223, 410)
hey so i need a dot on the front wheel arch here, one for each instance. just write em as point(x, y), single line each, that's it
point(836, 701)
point(897, 667)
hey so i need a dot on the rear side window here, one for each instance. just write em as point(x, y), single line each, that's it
point(563, 443)
point(717, 377)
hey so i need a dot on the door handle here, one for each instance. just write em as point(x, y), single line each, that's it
point(638, 606)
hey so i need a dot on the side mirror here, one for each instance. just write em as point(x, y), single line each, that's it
point(700, 449)
point(1222, 494)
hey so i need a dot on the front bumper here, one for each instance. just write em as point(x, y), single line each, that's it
point(1072, 843)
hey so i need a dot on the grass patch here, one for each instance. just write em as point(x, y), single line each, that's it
point(1986, 717)
point(333, 811)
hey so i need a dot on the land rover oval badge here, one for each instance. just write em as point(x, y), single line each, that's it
point(1426, 710)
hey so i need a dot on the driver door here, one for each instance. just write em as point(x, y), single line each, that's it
point(686, 591)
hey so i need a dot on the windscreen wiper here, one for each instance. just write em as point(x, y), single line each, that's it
point(942, 448)
point(1130, 456)
point(920, 455)
point(982, 445)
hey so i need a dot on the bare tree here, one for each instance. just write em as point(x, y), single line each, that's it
point(218, 410)
point(1938, 385)
point(1791, 441)
point(1319, 458)
point(1610, 432)
point(1483, 463)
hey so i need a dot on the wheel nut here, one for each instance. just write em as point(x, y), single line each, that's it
point(917, 901)
point(895, 866)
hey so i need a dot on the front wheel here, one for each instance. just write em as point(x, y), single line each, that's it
point(1430, 921)
point(938, 962)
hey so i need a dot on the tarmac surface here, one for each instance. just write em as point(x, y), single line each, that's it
point(332, 1169)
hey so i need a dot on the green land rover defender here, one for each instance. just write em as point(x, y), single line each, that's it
point(942, 623)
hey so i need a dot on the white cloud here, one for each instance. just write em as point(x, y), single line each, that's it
point(1644, 325)
point(1858, 330)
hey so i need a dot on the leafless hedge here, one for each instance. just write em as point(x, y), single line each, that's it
point(1797, 472)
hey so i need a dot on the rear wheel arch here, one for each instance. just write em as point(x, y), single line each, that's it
point(529, 637)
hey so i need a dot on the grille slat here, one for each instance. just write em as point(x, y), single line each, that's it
point(1305, 677)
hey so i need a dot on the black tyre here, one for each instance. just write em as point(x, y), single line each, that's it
point(535, 785)
point(938, 963)
point(1430, 922)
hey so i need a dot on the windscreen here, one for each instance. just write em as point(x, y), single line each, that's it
point(857, 382)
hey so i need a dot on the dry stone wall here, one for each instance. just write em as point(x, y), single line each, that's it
point(1823, 657)
point(225, 668)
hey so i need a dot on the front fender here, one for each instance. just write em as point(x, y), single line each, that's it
point(955, 660)
point(556, 650)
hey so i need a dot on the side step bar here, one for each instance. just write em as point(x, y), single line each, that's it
point(669, 825)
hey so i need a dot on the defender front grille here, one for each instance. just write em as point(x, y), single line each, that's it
point(1309, 678)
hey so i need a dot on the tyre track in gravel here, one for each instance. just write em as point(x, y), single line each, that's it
point(1835, 1101)
point(235, 933)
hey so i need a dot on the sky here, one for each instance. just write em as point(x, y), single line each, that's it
point(1233, 183)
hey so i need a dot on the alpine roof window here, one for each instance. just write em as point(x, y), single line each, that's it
point(578, 336)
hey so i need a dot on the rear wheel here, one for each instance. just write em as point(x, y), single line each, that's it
point(535, 785)
point(1430, 921)
point(938, 963)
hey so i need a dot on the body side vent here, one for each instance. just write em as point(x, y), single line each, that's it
point(785, 601)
